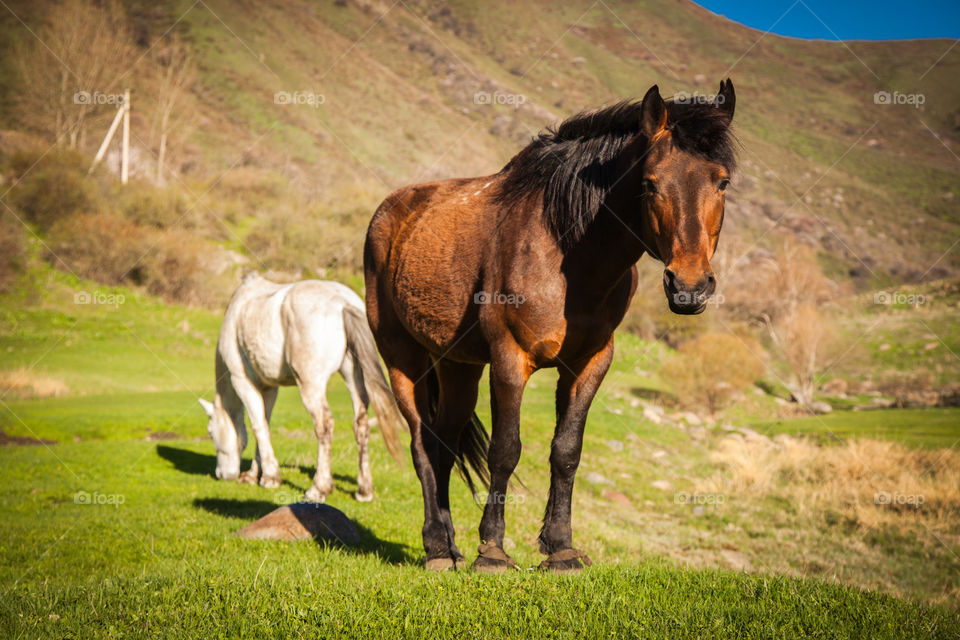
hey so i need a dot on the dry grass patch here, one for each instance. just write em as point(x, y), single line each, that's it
point(866, 484)
point(22, 384)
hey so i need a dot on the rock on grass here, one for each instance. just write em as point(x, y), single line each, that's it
point(303, 521)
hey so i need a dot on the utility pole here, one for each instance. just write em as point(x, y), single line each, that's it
point(123, 114)
point(125, 151)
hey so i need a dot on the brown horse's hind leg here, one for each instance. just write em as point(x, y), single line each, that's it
point(509, 373)
point(458, 398)
point(575, 391)
point(408, 377)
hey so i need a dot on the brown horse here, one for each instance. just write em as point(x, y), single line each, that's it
point(535, 267)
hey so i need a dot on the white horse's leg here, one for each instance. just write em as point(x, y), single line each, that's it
point(314, 396)
point(353, 378)
point(255, 404)
point(252, 475)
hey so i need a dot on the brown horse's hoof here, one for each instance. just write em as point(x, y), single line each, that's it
point(566, 561)
point(445, 563)
point(492, 559)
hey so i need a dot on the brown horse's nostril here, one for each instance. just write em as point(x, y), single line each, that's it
point(708, 285)
point(670, 280)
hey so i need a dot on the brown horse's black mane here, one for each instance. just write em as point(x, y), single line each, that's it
point(574, 165)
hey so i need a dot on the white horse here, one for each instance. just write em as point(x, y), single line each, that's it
point(277, 335)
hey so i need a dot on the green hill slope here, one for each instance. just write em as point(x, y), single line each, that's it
point(418, 90)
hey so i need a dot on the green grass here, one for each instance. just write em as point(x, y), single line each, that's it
point(134, 344)
point(88, 570)
point(119, 570)
point(934, 427)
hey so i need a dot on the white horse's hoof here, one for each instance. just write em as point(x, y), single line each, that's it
point(270, 482)
point(363, 497)
point(313, 495)
point(247, 477)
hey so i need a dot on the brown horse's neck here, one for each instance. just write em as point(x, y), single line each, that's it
point(613, 243)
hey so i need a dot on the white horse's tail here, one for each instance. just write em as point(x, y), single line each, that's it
point(361, 345)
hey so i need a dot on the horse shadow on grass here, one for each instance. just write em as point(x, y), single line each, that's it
point(191, 462)
point(188, 461)
point(370, 544)
point(202, 464)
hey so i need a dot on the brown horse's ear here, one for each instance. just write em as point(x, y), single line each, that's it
point(653, 113)
point(726, 99)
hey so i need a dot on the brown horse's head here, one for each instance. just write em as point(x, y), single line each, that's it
point(683, 173)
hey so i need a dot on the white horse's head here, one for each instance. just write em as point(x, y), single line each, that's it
point(228, 443)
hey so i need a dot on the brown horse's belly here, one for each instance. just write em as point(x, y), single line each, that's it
point(435, 270)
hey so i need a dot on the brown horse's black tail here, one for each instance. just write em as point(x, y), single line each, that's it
point(471, 455)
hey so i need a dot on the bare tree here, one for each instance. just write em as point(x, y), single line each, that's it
point(782, 292)
point(172, 76)
point(803, 335)
point(69, 72)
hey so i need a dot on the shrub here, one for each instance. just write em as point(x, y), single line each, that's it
point(148, 205)
point(13, 249)
point(171, 264)
point(101, 247)
point(55, 188)
point(314, 240)
point(710, 370)
point(175, 269)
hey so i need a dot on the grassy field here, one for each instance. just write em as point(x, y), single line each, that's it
point(107, 570)
point(934, 427)
point(155, 556)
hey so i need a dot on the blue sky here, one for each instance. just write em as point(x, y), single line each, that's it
point(845, 20)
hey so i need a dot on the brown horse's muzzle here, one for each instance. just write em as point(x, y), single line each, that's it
point(686, 298)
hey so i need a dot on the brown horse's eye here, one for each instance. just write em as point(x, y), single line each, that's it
point(722, 186)
point(649, 187)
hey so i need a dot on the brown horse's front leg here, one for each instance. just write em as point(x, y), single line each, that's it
point(509, 373)
point(575, 391)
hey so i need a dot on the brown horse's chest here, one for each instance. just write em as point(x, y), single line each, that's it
point(555, 324)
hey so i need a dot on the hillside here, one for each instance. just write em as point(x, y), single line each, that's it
point(404, 90)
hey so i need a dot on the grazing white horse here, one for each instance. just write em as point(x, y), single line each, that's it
point(277, 335)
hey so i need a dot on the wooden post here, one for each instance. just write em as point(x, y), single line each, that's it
point(106, 140)
point(163, 151)
point(125, 151)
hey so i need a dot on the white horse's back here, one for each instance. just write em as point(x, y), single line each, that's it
point(302, 333)
point(285, 331)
